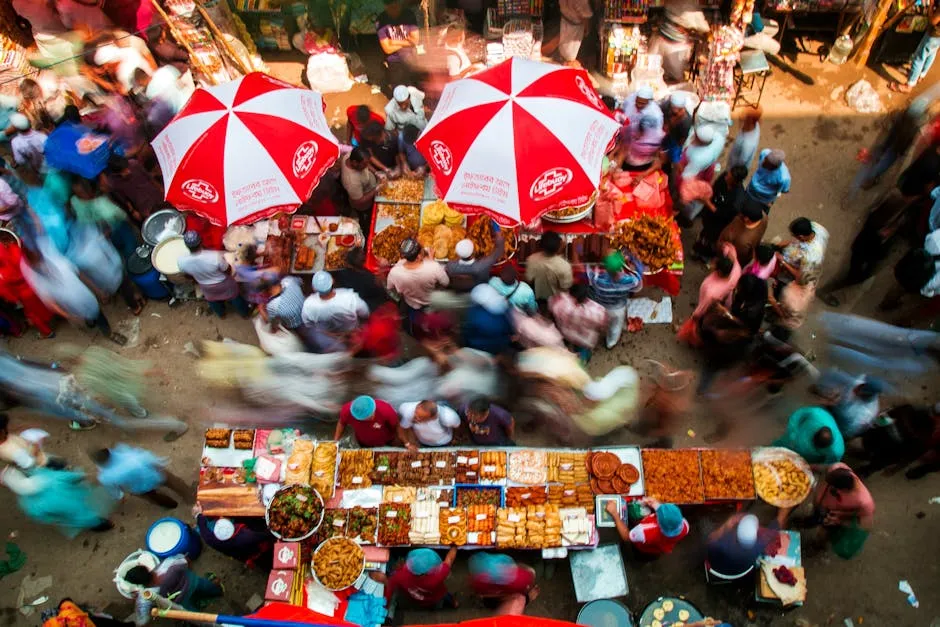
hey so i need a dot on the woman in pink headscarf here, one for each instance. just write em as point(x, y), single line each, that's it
point(716, 288)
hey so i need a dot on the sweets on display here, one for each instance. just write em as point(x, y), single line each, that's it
point(572, 495)
point(399, 494)
point(467, 465)
point(609, 475)
point(355, 469)
point(529, 467)
point(567, 467)
point(511, 527)
point(297, 470)
point(673, 476)
point(453, 525)
point(519, 497)
point(492, 465)
point(728, 474)
point(323, 468)
point(425, 523)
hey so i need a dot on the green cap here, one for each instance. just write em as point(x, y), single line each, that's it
point(614, 262)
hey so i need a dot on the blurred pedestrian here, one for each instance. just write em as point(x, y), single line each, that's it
point(25, 452)
point(174, 580)
point(746, 141)
point(733, 550)
point(717, 287)
point(518, 293)
point(423, 579)
point(124, 468)
point(813, 434)
point(548, 271)
point(612, 286)
point(502, 583)
point(745, 232)
point(28, 145)
point(330, 315)
point(469, 270)
point(725, 205)
point(486, 323)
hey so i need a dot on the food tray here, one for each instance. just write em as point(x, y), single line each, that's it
point(370, 513)
point(768, 454)
point(671, 617)
point(333, 525)
point(403, 516)
point(577, 217)
point(535, 475)
point(267, 516)
point(727, 474)
point(460, 487)
point(417, 199)
point(660, 466)
point(461, 229)
point(315, 242)
point(349, 545)
point(629, 455)
point(337, 248)
point(228, 457)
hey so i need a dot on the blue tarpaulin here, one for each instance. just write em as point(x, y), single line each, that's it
point(78, 149)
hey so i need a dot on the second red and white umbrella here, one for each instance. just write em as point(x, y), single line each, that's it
point(518, 140)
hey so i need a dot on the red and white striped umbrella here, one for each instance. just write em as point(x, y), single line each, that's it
point(245, 150)
point(518, 140)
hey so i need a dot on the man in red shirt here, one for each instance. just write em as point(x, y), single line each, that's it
point(423, 579)
point(357, 117)
point(658, 533)
point(374, 422)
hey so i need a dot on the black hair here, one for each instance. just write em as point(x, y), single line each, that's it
point(358, 155)
point(550, 244)
point(4, 422)
point(580, 292)
point(101, 456)
point(356, 257)
point(764, 253)
point(866, 391)
point(509, 272)
point(412, 255)
point(739, 172)
point(841, 478)
point(72, 114)
point(30, 89)
point(724, 266)
point(372, 129)
point(410, 133)
point(801, 227)
point(823, 438)
point(752, 213)
point(363, 114)
point(479, 405)
point(250, 253)
point(139, 575)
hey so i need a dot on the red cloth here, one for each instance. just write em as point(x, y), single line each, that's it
point(15, 289)
point(426, 590)
point(356, 126)
point(211, 234)
point(379, 430)
point(378, 337)
point(522, 579)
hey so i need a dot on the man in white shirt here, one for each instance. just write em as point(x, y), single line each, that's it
point(330, 314)
point(428, 423)
point(639, 104)
point(406, 107)
point(213, 275)
point(28, 146)
point(22, 452)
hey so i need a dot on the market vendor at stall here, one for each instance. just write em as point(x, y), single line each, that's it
point(374, 422)
point(656, 534)
point(812, 433)
point(733, 548)
point(496, 578)
point(423, 579)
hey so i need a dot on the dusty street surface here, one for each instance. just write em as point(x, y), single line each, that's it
point(821, 137)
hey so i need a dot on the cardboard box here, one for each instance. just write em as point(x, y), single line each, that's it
point(286, 555)
point(280, 583)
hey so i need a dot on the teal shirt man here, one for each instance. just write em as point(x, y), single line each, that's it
point(812, 432)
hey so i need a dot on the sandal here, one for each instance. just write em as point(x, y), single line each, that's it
point(901, 88)
point(138, 307)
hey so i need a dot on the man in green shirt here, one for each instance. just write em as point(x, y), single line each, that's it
point(812, 432)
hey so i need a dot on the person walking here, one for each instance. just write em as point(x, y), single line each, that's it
point(174, 580)
point(547, 270)
point(746, 141)
point(124, 468)
point(771, 179)
point(330, 315)
point(579, 319)
point(611, 287)
point(924, 55)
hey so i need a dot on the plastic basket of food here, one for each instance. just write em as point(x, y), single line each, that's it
point(781, 477)
point(294, 513)
point(338, 563)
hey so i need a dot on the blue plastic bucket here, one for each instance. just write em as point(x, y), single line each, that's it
point(171, 536)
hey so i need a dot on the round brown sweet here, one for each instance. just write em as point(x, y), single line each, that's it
point(604, 465)
point(628, 473)
point(620, 486)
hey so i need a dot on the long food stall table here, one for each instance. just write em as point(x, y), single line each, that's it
point(411, 209)
point(472, 496)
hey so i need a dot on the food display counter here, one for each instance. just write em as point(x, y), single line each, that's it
point(472, 497)
point(637, 218)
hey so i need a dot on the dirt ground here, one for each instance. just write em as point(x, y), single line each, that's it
point(821, 136)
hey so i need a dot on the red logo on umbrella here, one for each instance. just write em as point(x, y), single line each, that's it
point(442, 156)
point(304, 157)
point(200, 191)
point(588, 92)
point(549, 183)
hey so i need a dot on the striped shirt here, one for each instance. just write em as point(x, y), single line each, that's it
point(610, 292)
point(288, 305)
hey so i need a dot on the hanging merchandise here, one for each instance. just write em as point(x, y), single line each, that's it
point(623, 45)
point(716, 81)
point(741, 13)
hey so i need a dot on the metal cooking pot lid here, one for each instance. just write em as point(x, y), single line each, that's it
point(162, 224)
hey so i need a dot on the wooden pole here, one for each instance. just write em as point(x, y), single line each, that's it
point(193, 57)
point(874, 30)
point(223, 41)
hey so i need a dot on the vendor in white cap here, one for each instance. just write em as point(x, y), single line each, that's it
point(733, 548)
point(406, 107)
point(28, 146)
point(639, 104)
point(244, 539)
point(467, 271)
point(330, 314)
point(678, 125)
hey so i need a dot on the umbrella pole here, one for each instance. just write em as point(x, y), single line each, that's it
point(182, 40)
point(224, 619)
point(222, 40)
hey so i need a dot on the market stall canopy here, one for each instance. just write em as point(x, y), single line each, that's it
point(245, 150)
point(518, 140)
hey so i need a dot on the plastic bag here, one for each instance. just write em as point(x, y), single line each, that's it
point(862, 97)
point(328, 73)
point(276, 342)
point(847, 542)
